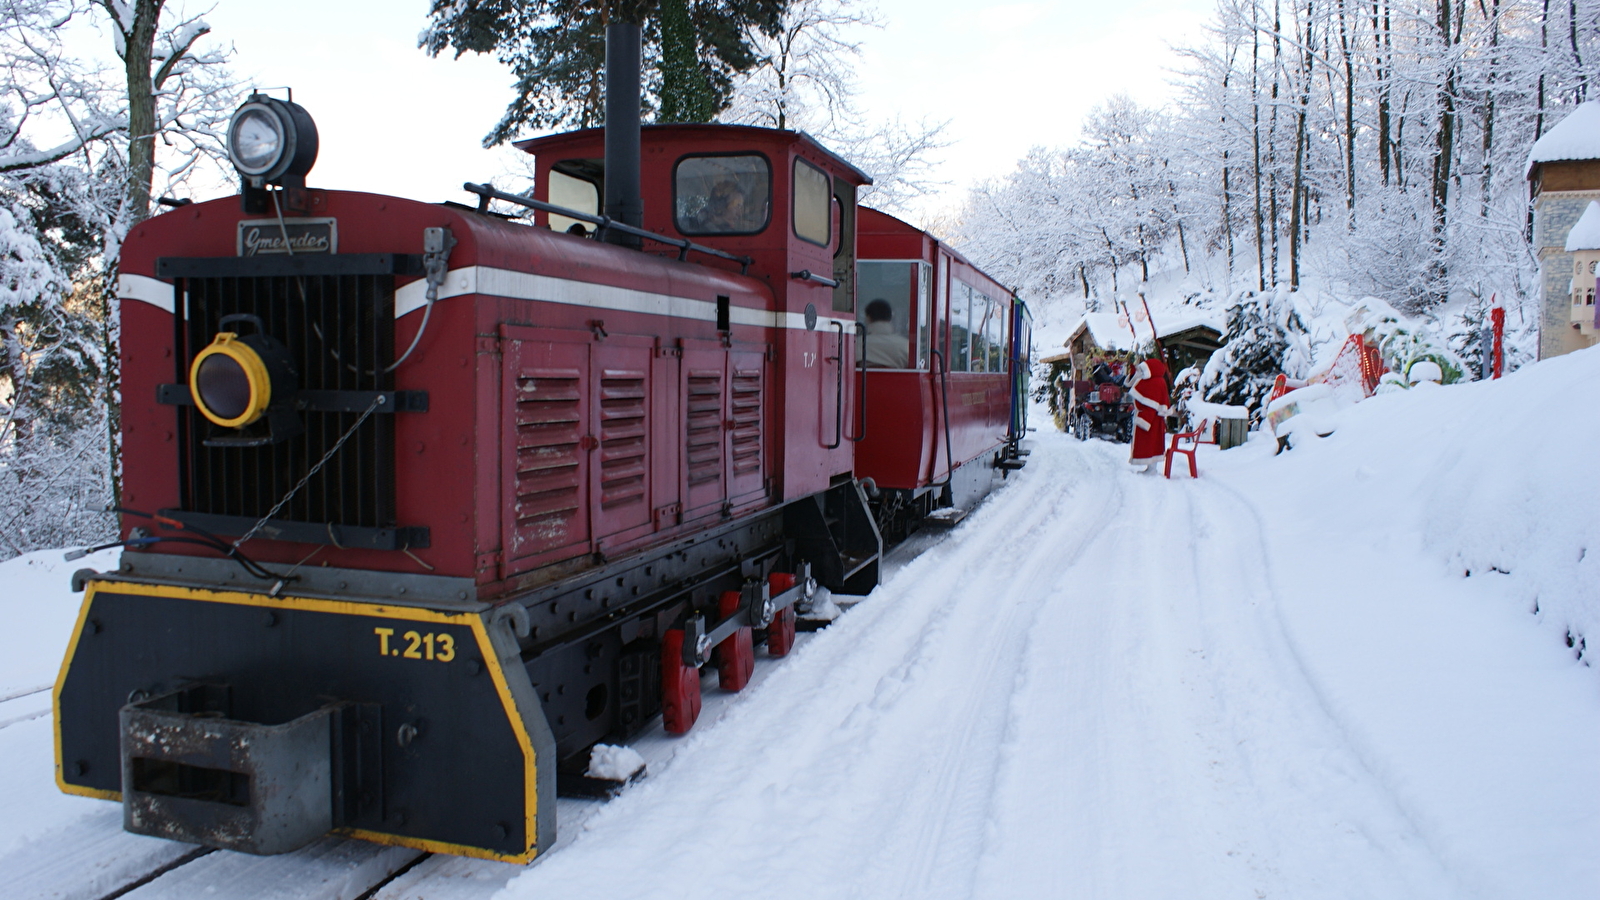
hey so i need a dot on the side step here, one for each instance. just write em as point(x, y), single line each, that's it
point(947, 517)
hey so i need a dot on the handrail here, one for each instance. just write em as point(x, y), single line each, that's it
point(486, 193)
point(946, 495)
point(808, 275)
point(861, 389)
point(838, 402)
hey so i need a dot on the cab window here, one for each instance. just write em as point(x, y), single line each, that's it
point(574, 193)
point(813, 204)
point(722, 194)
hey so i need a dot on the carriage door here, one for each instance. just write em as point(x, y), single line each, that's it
point(546, 446)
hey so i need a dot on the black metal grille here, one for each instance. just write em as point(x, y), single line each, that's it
point(339, 330)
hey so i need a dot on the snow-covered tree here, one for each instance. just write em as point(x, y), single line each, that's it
point(556, 50)
point(84, 142)
point(804, 80)
point(1375, 149)
point(1264, 338)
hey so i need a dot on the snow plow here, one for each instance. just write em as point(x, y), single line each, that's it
point(252, 747)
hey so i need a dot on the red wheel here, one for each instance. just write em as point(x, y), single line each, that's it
point(680, 686)
point(736, 655)
point(780, 634)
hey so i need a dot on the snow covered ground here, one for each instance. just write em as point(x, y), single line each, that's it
point(1278, 680)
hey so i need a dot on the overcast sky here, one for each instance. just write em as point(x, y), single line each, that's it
point(1007, 76)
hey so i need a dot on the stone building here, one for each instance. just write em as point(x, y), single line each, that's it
point(1564, 171)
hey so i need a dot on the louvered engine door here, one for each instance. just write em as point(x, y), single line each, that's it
point(547, 442)
point(747, 426)
point(622, 390)
point(704, 392)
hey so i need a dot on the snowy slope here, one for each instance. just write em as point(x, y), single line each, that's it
point(1277, 680)
point(1488, 480)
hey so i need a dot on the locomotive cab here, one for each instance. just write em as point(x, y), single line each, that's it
point(783, 204)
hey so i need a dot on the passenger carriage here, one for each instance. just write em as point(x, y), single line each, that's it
point(954, 386)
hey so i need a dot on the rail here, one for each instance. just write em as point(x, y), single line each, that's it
point(486, 193)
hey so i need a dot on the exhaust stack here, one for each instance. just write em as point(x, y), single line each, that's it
point(623, 201)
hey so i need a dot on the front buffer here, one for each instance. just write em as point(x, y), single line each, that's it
point(248, 722)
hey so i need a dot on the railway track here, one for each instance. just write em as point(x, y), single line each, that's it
point(94, 859)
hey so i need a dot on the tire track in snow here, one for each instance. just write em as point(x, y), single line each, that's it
point(954, 812)
point(841, 750)
point(1164, 745)
point(1378, 825)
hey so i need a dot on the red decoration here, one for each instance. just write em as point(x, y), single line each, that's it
point(1497, 318)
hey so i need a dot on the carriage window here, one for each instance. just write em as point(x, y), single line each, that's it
point(813, 210)
point(997, 336)
point(982, 310)
point(924, 313)
point(722, 194)
point(885, 291)
point(960, 326)
point(580, 194)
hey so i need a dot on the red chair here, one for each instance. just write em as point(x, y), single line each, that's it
point(1201, 435)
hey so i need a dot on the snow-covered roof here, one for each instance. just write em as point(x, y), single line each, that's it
point(1586, 234)
point(1111, 331)
point(1575, 137)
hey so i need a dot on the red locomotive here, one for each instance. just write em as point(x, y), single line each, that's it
point(421, 502)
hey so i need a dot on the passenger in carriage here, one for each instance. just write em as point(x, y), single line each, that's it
point(887, 348)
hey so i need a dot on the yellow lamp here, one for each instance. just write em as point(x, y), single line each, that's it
point(229, 381)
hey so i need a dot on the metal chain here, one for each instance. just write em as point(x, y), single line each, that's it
point(376, 402)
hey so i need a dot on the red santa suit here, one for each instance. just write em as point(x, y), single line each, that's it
point(1149, 392)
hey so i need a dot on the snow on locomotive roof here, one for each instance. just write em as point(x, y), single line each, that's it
point(1575, 137)
point(1586, 234)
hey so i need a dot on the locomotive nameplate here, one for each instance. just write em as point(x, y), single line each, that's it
point(285, 237)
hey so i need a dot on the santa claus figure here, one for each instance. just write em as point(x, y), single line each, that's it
point(1149, 392)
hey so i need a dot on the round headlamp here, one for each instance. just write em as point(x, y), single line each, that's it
point(271, 140)
point(230, 382)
